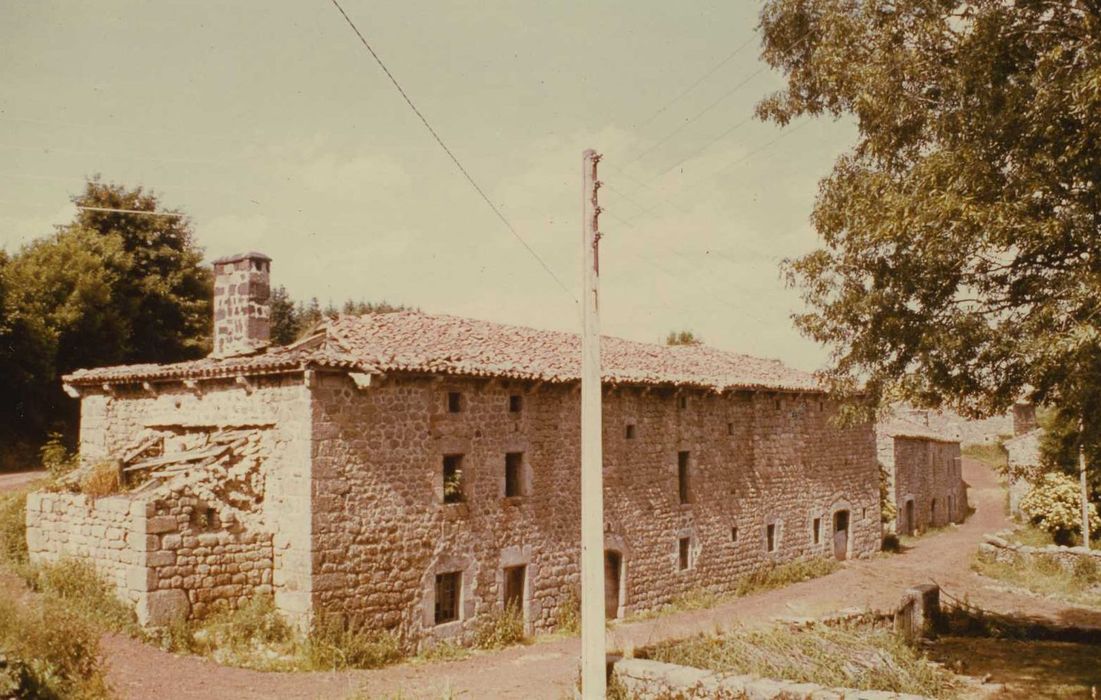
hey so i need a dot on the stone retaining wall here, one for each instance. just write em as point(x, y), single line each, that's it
point(644, 679)
point(1070, 559)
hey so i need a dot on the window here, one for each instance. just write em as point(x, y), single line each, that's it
point(779, 404)
point(682, 476)
point(449, 589)
point(631, 431)
point(817, 530)
point(729, 428)
point(454, 402)
point(514, 588)
point(685, 552)
point(682, 401)
point(770, 538)
point(515, 403)
point(734, 534)
point(452, 478)
point(514, 465)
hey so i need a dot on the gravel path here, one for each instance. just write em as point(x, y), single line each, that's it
point(548, 668)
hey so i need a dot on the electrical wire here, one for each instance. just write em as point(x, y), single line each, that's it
point(451, 155)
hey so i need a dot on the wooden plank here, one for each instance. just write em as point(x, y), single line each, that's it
point(179, 458)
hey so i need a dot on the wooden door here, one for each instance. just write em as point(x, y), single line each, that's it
point(613, 567)
point(841, 535)
point(908, 522)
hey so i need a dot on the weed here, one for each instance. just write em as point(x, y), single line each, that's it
point(56, 458)
point(444, 651)
point(79, 588)
point(862, 657)
point(13, 529)
point(500, 628)
point(1043, 575)
point(101, 480)
point(333, 644)
point(568, 617)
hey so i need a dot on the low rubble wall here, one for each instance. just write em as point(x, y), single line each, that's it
point(1070, 559)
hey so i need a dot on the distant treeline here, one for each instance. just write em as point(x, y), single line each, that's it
point(108, 288)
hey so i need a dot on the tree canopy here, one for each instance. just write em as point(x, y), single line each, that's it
point(962, 233)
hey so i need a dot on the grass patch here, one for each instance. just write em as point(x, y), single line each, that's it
point(102, 479)
point(764, 579)
point(497, 629)
point(13, 529)
point(568, 617)
point(81, 591)
point(859, 656)
point(1031, 536)
point(444, 651)
point(1043, 575)
point(993, 455)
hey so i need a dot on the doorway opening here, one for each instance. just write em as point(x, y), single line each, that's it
point(514, 588)
point(841, 535)
point(613, 576)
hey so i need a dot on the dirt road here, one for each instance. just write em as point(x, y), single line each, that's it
point(548, 668)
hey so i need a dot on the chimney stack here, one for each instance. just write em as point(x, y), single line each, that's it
point(1024, 418)
point(242, 309)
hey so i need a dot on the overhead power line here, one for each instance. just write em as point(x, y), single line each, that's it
point(447, 150)
point(702, 78)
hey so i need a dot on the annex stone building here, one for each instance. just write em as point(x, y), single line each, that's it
point(411, 471)
point(924, 475)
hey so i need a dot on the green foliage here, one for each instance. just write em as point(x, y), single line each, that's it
point(56, 458)
point(13, 529)
point(682, 338)
point(959, 256)
point(497, 629)
point(50, 652)
point(75, 585)
point(252, 635)
point(568, 617)
point(888, 511)
point(855, 656)
point(1053, 504)
point(993, 455)
point(290, 321)
point(1059, 447)
point(333, 645)
point(1043, 575)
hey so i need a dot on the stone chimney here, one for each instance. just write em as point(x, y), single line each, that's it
point(1024, 418)
point(242, 309)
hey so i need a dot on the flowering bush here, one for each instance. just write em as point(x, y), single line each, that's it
point(1053, 504)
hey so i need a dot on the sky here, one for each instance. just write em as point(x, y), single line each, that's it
point(274, 129)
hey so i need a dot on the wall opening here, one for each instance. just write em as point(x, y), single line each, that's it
point(734, 534)
point(613, 580)
point(515, 403)
point(454, 402)
point(682, 477)
point(816, 529)
point(449, 589)
point(841, 535)
point(932, 512)
point(682, 401)
point(514, 587)
point(770, 538)
point(684, 552)
point(453, 479)
point(514, 469)
point(630, 432)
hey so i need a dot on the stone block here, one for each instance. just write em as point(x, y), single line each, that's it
point(160, 608)
point(140, 578)
point(161, 558)
point(160, 524)
point(171, 542)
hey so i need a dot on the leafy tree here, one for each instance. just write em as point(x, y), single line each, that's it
point(962, 233)
point(682, 338)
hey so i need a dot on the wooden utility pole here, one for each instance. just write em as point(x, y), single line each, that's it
point(1084, 493)
point(593, 664)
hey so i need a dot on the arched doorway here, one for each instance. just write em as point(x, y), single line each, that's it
point(613, 576)
point(841, 535)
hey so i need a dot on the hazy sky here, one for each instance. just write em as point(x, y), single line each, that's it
point(271, 125)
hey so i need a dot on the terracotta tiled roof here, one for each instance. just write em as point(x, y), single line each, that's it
point(410, 341)
point(900, 427)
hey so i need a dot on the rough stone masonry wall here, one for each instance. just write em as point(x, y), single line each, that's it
point(382, 532)
point(103, 531)
point(928, 472)
point(1070, 559)
point(111, 422)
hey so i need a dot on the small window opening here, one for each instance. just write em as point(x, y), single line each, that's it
point(454, 402)
point(734, 534)
point(863, 513)
point(631, 432)
point(779, 404)
point(729, 428)
point(770, 538)
point(515, 403)
point(514, 464)
point(449, 588)
point(821, 406)
point(817, 530)
point(514, 588)
point(453, 479)
point(682, 476)
point(685, 552)
point(682, 401)
point(933, 508)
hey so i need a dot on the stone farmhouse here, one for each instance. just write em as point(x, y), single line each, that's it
point(924, 475)
point(411, 471)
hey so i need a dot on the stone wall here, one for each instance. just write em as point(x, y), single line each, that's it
point(926, 473)
point(646, 680)
point(382, 532)
point(110, 422)
point(160, 557)
point(1070, 559)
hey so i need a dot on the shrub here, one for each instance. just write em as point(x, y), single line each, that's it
point(78, 588)
point(888, 511)
point(101, 480)
point(56, 458)
point(1053, 504)
point(500, 628)
point(51, 652)
point(568, 618)
point(334, 645)
point(13, 529)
